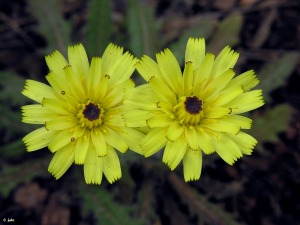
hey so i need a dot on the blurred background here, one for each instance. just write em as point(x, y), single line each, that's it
point(262, 189)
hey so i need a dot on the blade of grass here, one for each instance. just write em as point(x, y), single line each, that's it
point(99, 26)
point(142, 28)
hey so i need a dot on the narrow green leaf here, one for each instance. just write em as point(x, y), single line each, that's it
point(202, 29)
point(265, 128)
point(51, 23)
point(275, 74)
point(101, 203)
point(142, 28)
point(99, 26)
point(227, 33)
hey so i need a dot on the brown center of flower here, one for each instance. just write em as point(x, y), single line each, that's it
point(91, 112)
point(193, 105)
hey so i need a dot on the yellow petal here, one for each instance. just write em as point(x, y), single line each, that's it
point(161, 90)
point(111, 166)
point(115, 140)
point(99, 142)
point(195, 51)
point(192, 137)
point(38, 139)
point(61, 123)
point(220, 82)
point(203, 73)
point(188, 78)
point(226, 96)
point(133, 138)
point(153, 141)
point(192, 165)
point(170, 70)
point(36, 114)
point(136, 118)
point(160, 120)
point(224, 61)
point(61, 139)
point(148, 68)
point(111, 54)
point(94, 76)
point(56, 106)
point(216, 112)
point(227, 149)
point(175, 130)
point(205, 142)
point(37, 91)
point(56, 62)
point(81, 149)
point(246, 102)
point(174, 152)
point(77, 88)
point(59, 83)
point(221, 125)
point(78, 60)
point(243, 122)
point(247, 80)
point(93, 167)
point(244, 141)
point(61, 161)
point(122, 69)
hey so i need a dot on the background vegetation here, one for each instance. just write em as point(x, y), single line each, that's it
point(262, 189)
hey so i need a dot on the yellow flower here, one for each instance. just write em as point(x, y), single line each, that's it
point(81, 112)
point(196, 111)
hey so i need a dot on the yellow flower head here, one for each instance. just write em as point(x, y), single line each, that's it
point(196, 111)
point(81, 112)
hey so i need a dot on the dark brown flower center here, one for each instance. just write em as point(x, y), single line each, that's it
point(91, 112)
point(193, 105)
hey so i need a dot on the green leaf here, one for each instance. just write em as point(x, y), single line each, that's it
point(11, 85)
point(11, 175)
point(275, 74)
point(227, 33)
point(202, 29)
point(99, 26)
point(101, 203)
point(143, 29)
point(266, 127)
point(51, 23)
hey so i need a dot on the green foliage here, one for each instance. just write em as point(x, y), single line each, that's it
point(99, 26)
point(143, 29)
point(106, 210)
point(275, 74)
point(51, 23)
point(266, 127)
point(203, 29)
point(11, 175)
point(227, 33)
